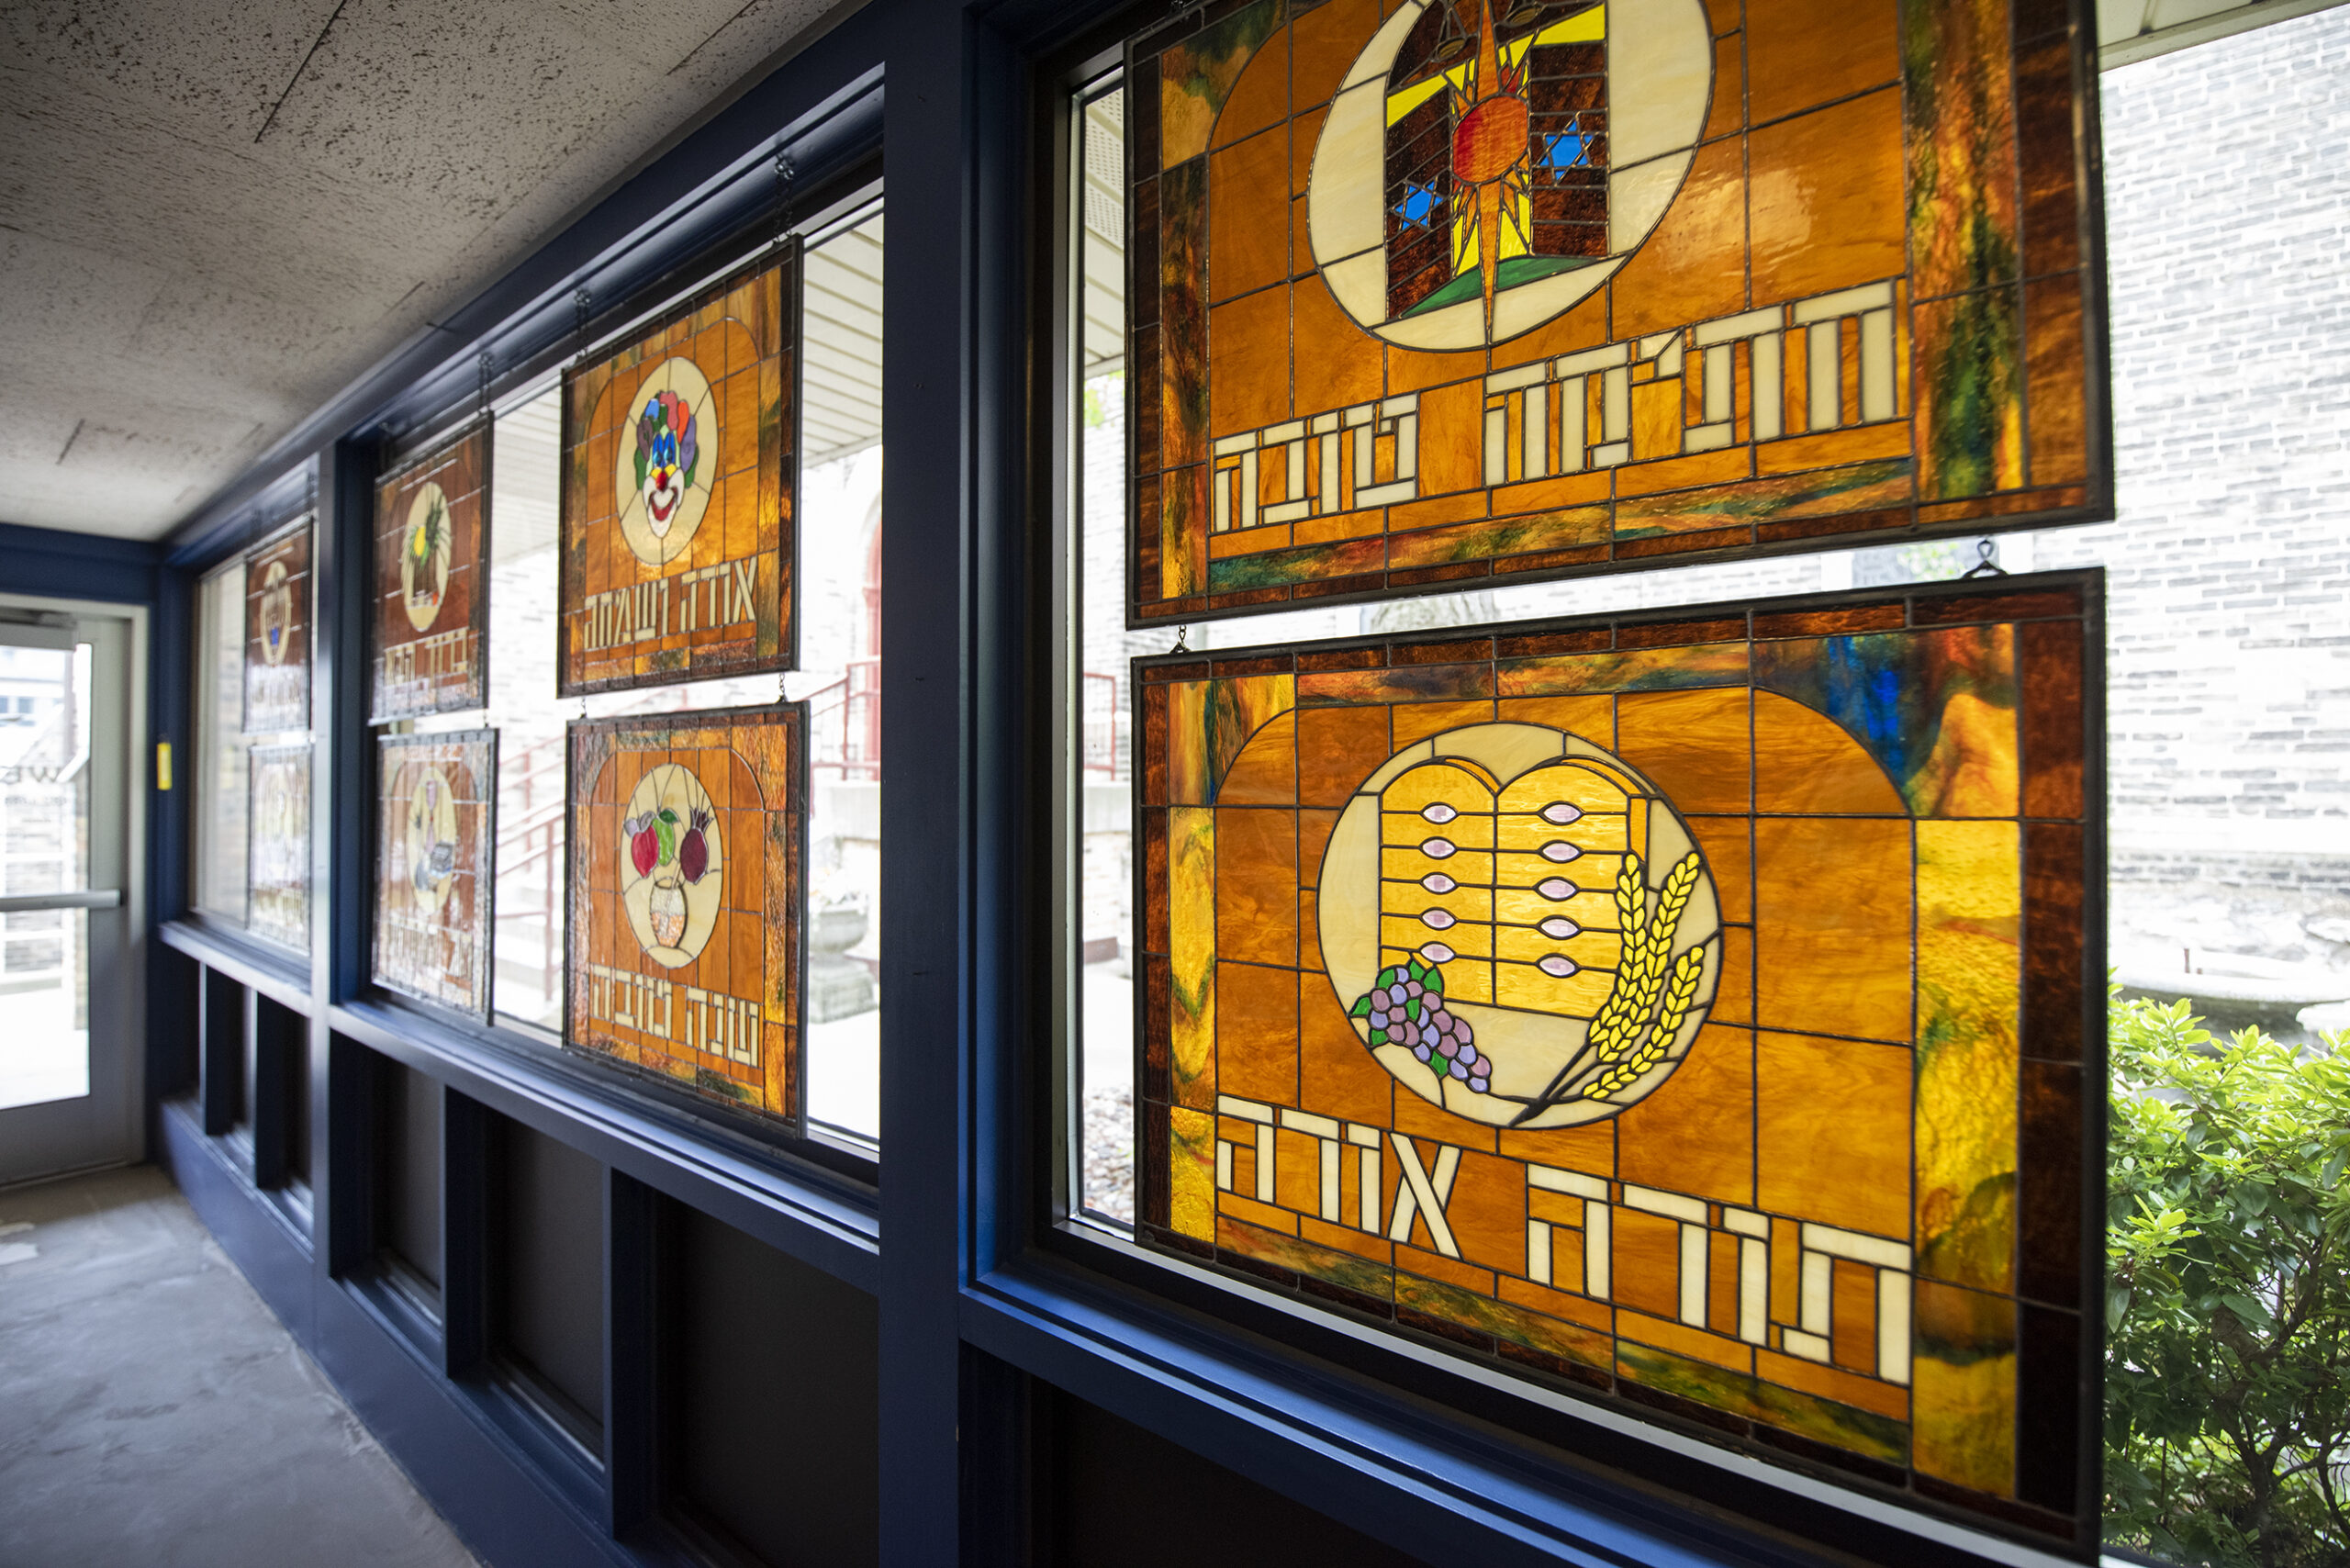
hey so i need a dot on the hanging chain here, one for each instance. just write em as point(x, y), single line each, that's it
point(1182, 641)
point(1986, 562)
point(580, 302)
point(786, 170)
point(488, 363)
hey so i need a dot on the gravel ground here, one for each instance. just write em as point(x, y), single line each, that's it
point(1110, 1153)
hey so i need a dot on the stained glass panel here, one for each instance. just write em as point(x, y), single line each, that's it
point(686, 860)
point(277, 633)
point(277, 851)
point(435, 809)
point(680, 482)
point(1449, 289)
point(1647, 1004)
point(431, 606)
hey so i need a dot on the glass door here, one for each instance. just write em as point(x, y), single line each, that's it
point(68, 988)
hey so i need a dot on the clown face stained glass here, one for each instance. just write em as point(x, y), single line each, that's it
point(679, 473)
point(1454, 289)
point(277, 633)
point(688, 849)
point(436, 796)
point(432, 607)
point(1695, 1012)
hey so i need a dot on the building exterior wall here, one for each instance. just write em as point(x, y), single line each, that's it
point(2228, 206)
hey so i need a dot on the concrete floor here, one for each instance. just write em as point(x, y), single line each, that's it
point(153, 1412)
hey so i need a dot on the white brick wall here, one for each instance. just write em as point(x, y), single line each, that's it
point(2228, 217)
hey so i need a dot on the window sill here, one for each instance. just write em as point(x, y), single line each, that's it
point(820, 1216)
point(275, 973)
point(1428, 1451)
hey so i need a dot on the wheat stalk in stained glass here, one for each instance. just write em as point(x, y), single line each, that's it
point(1643, 1005)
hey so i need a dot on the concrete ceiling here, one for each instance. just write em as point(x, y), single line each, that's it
point(216, 214)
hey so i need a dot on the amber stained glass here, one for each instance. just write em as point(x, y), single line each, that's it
point(687, 855)
point(1685, 1010)
point(430, 613)
point(436, 803)
point(679, 476)
point(277, 633)
point(1455, 289)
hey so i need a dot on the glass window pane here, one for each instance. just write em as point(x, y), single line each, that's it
point(45, 1054)
point(1103, 745)
point(2227, 1437)
point(839, 677)
point(527, 942)
point(839, 671)
point(44, 848)
point(219, 772)
point(2230, 846)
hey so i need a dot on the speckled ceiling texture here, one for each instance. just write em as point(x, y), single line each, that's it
point(214, 214)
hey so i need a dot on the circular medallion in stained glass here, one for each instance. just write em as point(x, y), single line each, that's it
point(424, 556)
point(431, 841)
point(1485, 168)
point(1520, 925)
point(668, 461)
point(672, 874)
point(277, 613)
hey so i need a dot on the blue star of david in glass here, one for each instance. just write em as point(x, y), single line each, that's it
point(1420, 206)
point(1565, 149)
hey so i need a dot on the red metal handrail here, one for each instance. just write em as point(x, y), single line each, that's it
point(1097, 716)
point(844, 721)
point(540, 844)
point(531, 833)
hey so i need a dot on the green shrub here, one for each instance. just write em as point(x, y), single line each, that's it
point(2227, 1372)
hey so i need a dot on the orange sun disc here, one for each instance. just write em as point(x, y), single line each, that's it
point(1490, 138)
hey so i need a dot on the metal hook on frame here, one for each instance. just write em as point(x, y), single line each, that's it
point(1986, 562)
point(1182, 641)
point(786, 170)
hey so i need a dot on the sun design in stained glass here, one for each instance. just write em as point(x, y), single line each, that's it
point(1520, 925)
point(1524, 149)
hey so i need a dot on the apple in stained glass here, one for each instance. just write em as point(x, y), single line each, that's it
point(693, 849)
